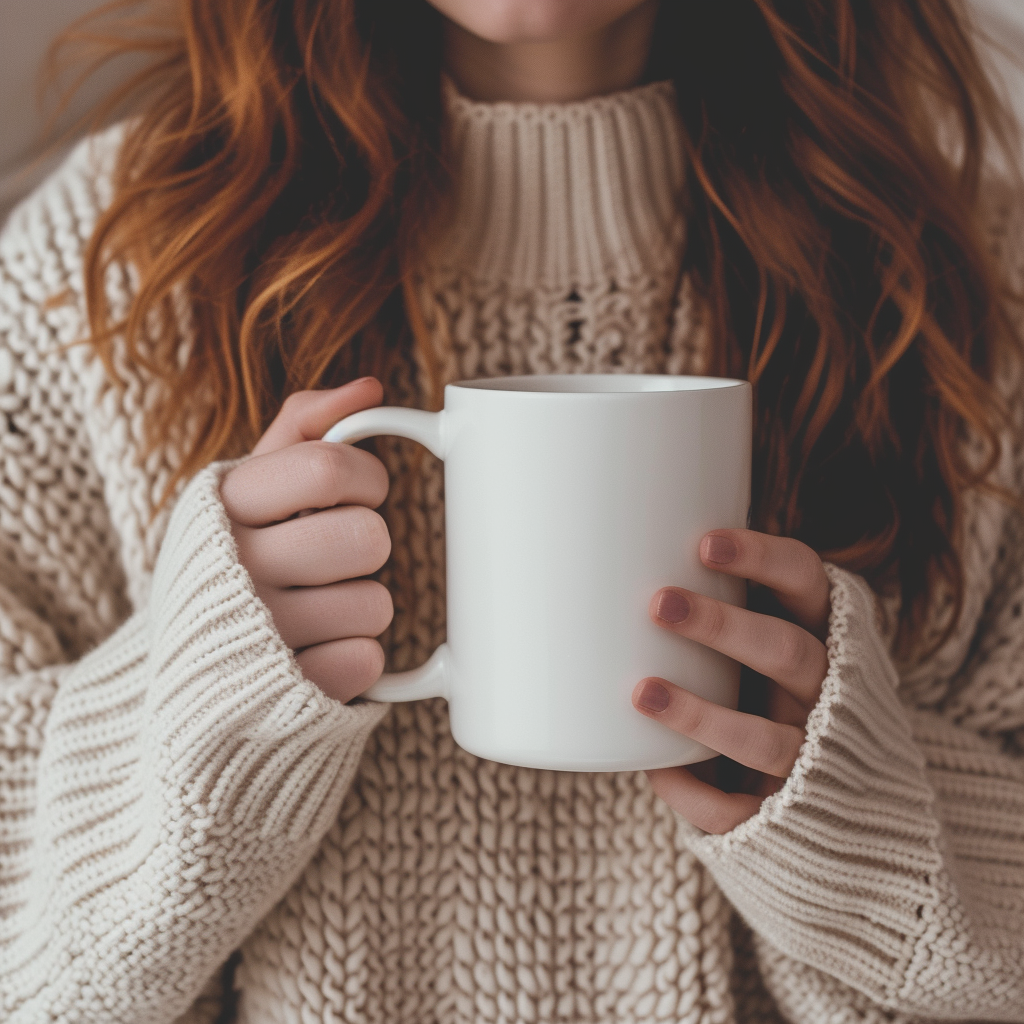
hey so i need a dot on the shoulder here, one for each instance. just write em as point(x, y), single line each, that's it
point(42, 300)
point(81, 182)
point(43, 241)
point(58, 542)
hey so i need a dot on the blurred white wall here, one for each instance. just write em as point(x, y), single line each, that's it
point(26, 29)
point(28, 26)
point(1003, 21)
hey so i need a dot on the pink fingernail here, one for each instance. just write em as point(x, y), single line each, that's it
point(653, 696)
point(719, 549)
point(358, 380)
point(672, 606)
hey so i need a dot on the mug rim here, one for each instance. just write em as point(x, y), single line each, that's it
point(512, 384)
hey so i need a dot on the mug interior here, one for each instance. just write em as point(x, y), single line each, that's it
point(598, 383)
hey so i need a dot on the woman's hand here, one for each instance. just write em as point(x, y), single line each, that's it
point(790, 655)
point(300, 511)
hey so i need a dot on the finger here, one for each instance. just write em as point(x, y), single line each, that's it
point(756, 742)
point(343, 668)
point(312, 474)
point(777, 649)
point(335, 544)
point(307, 415)
point(782, 706)
point(313, 615)
point(791, 570)
point(700, 804)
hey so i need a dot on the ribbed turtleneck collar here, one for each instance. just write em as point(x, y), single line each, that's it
point(564, 194)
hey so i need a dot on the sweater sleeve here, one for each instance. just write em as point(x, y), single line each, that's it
point(160, 794)
point(892, 861)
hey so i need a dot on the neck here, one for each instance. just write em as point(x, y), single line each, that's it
point(571, 67)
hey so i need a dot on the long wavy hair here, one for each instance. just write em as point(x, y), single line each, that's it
point(290, 154)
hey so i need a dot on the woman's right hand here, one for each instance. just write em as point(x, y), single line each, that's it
point(301, 514)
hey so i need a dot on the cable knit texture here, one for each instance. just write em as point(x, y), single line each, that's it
point(172, 788)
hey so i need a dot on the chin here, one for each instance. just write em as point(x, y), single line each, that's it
point(533, 21)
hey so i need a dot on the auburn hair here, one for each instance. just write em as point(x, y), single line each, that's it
point(289, 157)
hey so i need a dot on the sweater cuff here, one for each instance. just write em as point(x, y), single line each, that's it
point(239, 696)
point(189, 771)
point(838, 869)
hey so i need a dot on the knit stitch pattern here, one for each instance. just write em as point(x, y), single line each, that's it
point(172, 788)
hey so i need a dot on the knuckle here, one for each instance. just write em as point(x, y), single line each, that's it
point(772, 753)
point(322, 466)
point(713, 814)
point(339, 472)
point(712, 621)
point(371, 472)
point(758, 554)
point(809, 570)
point(718, 823)
point(365, 659)
point(370, 535)
point(691, 713)
point(244, 492)
point(294, 404)
point(381, 607)
point(727, 811)
point(381, 480)
point(789, 652)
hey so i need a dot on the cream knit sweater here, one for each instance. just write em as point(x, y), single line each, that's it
point(172, 789)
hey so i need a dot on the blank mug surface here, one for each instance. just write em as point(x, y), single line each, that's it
point(569, 501)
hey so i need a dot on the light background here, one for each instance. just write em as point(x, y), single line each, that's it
point(27, 26)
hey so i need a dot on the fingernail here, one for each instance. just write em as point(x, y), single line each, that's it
point(359, 380)
point(672, 606)
point(653, 696)
point(719, 549)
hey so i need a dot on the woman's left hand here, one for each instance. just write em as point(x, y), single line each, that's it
point(790, 655)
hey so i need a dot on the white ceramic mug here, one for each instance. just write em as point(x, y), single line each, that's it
point(569, 501)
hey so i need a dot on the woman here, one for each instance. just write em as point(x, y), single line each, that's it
point(795, 191)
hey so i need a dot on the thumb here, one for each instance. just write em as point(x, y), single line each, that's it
point(307, 415)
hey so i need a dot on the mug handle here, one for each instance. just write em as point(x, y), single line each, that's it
point(428, 428)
